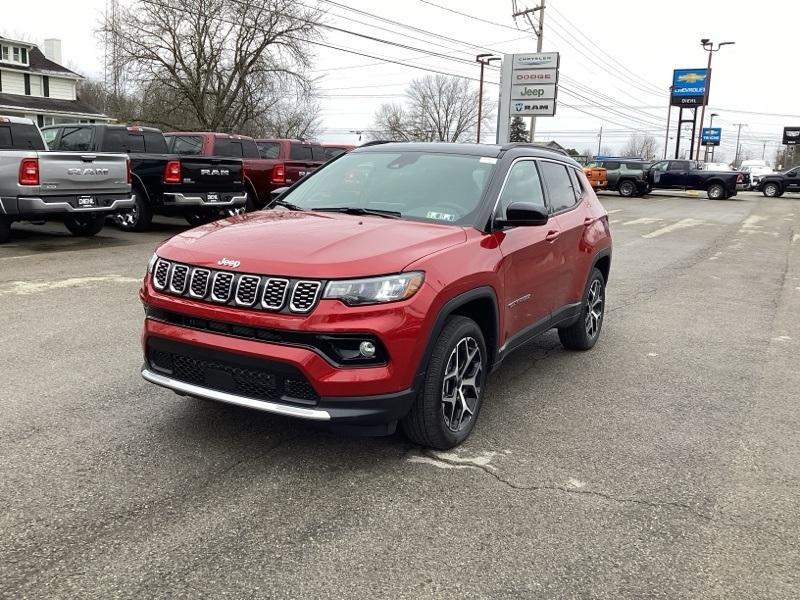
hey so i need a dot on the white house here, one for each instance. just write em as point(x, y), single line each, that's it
point(33, 84)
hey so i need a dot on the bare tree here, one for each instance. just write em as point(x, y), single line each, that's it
point(642, 145)
point(211, 64)
point(439, 108)
point(288, 118)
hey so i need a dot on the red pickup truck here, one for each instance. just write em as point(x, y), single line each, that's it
point(291, 159)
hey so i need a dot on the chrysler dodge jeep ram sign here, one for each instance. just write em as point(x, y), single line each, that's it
point(528, 88)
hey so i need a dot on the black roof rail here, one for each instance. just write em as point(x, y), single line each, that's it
point(533, 145)
point(375, 143)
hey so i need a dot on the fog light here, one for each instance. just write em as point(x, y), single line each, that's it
point(367, 349)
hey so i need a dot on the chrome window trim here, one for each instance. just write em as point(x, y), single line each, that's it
point(283, 299)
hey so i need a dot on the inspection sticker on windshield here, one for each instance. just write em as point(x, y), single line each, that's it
point(440, 216)
point(489, 160)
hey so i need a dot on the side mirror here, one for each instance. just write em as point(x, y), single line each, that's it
point(275, 194)
point(523, 214)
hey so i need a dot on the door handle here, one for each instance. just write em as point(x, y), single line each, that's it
point(552, 236)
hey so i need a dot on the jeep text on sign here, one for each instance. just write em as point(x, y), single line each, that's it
point(533, 92)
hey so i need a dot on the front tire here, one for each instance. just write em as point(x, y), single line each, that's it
point(85, 225)
point(447, 406)
point(771, 190)
point(584, 333)
point(137, 218)
point(716, 191)
point(627, 189)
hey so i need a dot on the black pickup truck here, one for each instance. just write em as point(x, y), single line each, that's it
point(197, 188)
point(689, 175)
point(776, 184)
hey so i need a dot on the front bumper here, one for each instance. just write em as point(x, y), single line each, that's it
point(223, 199)
point(35, 205)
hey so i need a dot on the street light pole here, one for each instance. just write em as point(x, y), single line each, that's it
point(710, 125)
point(483, 59)
point(669, 116)
point(708, 45)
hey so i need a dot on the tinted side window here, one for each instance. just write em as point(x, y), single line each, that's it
point(333, 152)
point(522, 185)
point(269, 149)
point(577, 185)
point(50, 136)
point(249, 149)
point(300, 152)
point(318, 152)
point(186, 145)
point(222, 146)
point(5, 136)
point(118, 139)
point(633, 166)
point(611, 165)
point(559, 185)
point(236, 149)
point(76, 139)
point(154, 142)
point(679, 165)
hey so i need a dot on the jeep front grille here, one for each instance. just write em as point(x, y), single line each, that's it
point(273, 294)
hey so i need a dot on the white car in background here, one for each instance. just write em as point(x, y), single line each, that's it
point(717, 166)
point(756, 169)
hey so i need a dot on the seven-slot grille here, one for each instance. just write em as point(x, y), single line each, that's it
point(224, 287)
point(304, 296)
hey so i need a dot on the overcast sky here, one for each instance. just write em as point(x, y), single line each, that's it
point(613, 52)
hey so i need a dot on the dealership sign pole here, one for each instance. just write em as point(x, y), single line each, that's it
point(528, 88)
point(688, 91)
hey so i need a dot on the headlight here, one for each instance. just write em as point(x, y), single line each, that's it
point(152, 263)
point(375, 290)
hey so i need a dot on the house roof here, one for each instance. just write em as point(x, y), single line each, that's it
point(35, 103)
point(39, 63)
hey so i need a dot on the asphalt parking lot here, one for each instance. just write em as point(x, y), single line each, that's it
point(665, 463)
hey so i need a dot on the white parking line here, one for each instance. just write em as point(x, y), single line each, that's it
point(24, 288)
point(682, 224)
point(642, 221)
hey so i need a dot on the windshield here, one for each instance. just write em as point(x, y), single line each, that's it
point(430, 186)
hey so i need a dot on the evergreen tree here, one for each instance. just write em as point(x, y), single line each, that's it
point(518, 133)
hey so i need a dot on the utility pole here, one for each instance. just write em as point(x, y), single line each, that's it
point(483, 59)
point(539, 31)
point(707, 44)
point(738, 137)
point(763, 150)
point(599, 140)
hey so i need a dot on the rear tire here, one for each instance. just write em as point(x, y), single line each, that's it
point(196, 218)
point(584, 333)
point(447, 406)
point(771, 190)
point(5, 230)
point(138, 218)
point(716, 191)
point(85, 225)
point(627, 189)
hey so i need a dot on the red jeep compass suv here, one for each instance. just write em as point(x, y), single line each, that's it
point(382, 288)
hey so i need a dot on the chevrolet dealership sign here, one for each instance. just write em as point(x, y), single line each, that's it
point(528, 88)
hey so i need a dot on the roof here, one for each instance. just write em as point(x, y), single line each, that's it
point(229, 136)
point(49, 104)
point(129, 127)
point(39, 63)
point(17, 42)
point(488, 150)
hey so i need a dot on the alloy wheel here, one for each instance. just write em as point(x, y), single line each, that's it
point(128, 218)
point(461, 388)
point(771, 190)
point(594, 308)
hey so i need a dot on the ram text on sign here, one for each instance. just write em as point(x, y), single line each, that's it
point(533, 92)
point(533, 108)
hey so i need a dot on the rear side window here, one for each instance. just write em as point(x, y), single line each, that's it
point(333, 152)
point(155, 142)
point(76, 139)
point(522, 185)
point(559, 185)
point(634, 166)
point(249, 149)
point(5, 137)
point(16, 136)
point(611, 165)
point(222, 146)
point(318, 152)
point(300, 152)
point(121, 140)
point(577, 186)
point(185, 145)
point(679, 165)
point(269, 149)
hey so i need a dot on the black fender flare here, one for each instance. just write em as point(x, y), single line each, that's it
point(449, 307)
point(604, 253)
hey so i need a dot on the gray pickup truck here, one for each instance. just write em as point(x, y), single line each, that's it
point(37, 185)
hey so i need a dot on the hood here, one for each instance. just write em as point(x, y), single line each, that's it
point(311, 244)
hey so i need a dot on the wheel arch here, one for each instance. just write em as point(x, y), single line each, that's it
point(480, 305)
point(603, 262)
point(136, 182)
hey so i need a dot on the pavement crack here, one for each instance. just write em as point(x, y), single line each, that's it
point(495, 474)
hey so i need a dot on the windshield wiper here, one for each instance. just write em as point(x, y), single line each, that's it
point(355, 210)
point(286, 204)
